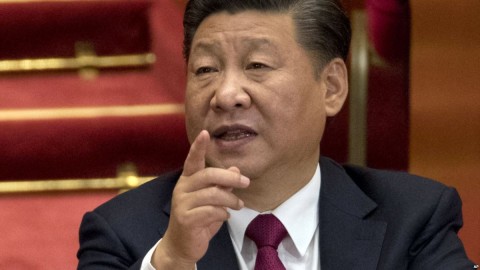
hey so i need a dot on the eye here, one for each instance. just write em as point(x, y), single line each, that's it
point(256, 65)
point(204, 70)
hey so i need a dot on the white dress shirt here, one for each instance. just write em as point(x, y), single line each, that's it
point(299, 214)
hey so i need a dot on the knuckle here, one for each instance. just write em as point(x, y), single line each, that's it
point(214, 192)
point(208, 173)
point(217, 213)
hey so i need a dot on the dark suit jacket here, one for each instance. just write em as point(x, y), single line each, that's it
point(369, 219)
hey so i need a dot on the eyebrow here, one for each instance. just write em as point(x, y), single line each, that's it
point(250, 43)
point(204, 46)
point(257, 43)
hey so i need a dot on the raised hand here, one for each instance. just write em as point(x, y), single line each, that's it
point(199, 207)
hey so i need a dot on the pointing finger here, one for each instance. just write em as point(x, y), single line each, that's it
point(195, 160)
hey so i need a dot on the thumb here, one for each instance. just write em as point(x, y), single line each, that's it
point(195, 160)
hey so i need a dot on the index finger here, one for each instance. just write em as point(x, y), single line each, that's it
point(195, 160)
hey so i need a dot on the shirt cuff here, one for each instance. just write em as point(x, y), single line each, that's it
point(146, 262)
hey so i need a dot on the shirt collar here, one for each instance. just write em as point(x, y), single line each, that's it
point(299, 214)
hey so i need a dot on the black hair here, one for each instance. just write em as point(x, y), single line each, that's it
point(322, 26)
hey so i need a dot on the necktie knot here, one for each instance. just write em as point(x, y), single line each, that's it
point(267, 232)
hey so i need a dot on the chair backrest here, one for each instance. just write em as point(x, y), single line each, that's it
point(103, 103)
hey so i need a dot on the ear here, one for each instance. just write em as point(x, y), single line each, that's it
point(335, 78)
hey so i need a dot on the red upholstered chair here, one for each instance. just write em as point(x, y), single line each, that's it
point(82, 121)
point(59, 124)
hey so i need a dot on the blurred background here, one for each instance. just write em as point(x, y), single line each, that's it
point(91, 104)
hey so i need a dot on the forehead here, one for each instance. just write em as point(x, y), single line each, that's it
point(246, 28)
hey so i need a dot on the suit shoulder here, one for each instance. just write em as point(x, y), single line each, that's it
point(405, 200)
point(130, 222)
point(384, 185)
point(154, 194)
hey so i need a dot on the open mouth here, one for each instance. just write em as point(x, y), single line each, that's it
point(233, 133)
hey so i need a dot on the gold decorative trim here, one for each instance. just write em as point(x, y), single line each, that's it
point(89, 112)
point(357, 152)
point(120, 183)
point(127, 178)
point(77, 63)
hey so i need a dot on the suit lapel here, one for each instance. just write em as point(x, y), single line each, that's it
point(220, 253)
point(348, 239)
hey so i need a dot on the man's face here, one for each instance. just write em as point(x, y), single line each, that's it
point(254, 89)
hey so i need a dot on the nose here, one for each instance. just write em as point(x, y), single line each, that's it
point(230, 95)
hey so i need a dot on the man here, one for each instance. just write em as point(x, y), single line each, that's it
point(263, 76)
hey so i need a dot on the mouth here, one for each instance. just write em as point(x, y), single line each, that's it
point(233, 133)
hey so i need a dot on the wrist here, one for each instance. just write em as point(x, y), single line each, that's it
point(163, 259)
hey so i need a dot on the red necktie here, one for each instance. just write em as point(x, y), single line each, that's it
point(267, 232)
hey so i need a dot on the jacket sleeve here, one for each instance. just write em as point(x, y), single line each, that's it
point(100, 247)
point(438, 245)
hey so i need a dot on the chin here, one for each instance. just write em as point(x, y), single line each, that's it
point(246, 168)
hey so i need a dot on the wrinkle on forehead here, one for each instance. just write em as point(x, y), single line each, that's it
point(206, 46)
point(225, 21)
point(254, 30)
point(251, 43)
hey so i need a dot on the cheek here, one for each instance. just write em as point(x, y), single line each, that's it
point(190, 128)
point(299, 102)
point(194, 119)
point(301, 111)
